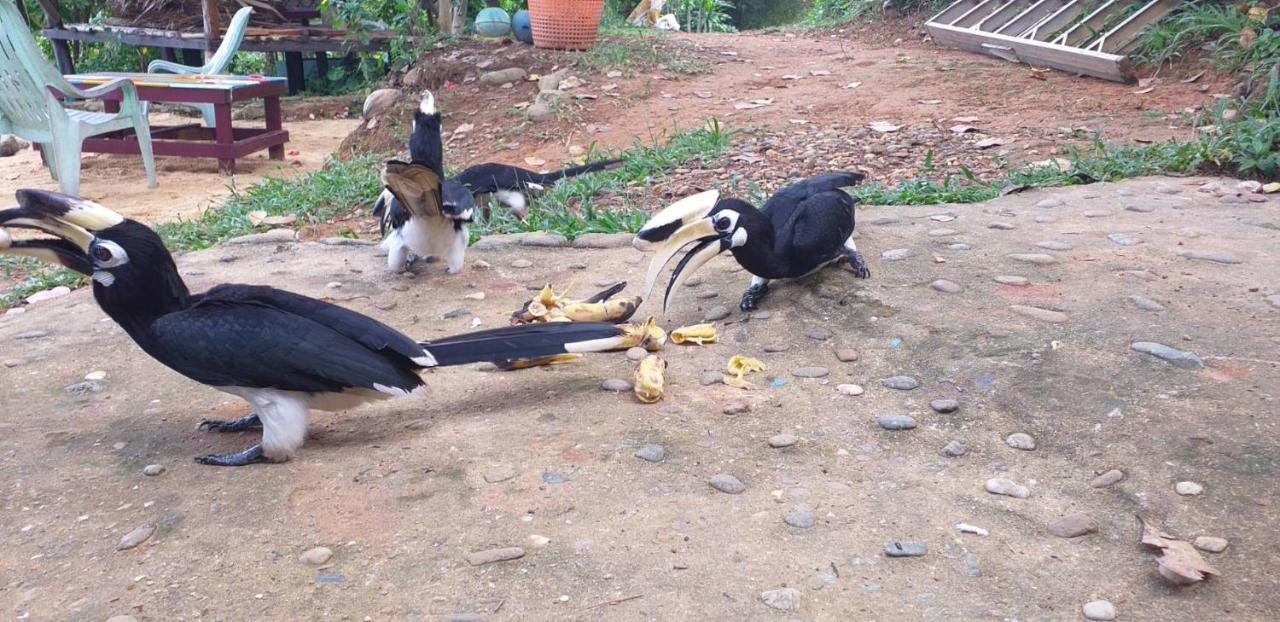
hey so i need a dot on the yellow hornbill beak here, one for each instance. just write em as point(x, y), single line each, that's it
point(682, 223)
point(71, 220)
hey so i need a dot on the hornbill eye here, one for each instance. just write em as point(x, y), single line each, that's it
point(102, 254)
point(723, 223)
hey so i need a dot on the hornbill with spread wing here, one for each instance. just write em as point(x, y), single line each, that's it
point(802, 228)
point(510, 184)
point(426, 214)
point(283, 353)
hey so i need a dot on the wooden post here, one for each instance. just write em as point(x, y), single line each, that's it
point(452, 16)
point(53, 20)
point(445, 17)
point(212, 29)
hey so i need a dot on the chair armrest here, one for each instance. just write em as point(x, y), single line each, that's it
point(97, 92)
point(164, 66)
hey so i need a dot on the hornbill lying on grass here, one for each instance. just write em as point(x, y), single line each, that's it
point(802, 228)
point(283, 353)
point(427, 215)
point(511, 183)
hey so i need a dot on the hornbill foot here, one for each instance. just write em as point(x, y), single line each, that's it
point(235, 425)
point(248, 456)
point(859, 264)
point(409, 260)
point(752, 296)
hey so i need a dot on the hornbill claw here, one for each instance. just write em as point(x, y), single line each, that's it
point(235, 425)
point(753, 296)
point(409, 261)
point(246, 457)
point(859, 264)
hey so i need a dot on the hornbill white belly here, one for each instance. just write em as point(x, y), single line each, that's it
point(511, 184)
point(802, 228)
point(282, 352)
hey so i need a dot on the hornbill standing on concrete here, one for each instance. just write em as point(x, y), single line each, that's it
point(283, 353)
point(802, 228)
point(427, 215)
point(510, 184)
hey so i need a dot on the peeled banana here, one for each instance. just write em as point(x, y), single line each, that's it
point(697, 334)
point(649, 382)
point(649, 336)
point(549, 306)
point(739, 367)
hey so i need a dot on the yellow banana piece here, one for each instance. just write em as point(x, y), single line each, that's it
point(649, 381)
point(739, 366)
point(649, 336)
point(698, 333)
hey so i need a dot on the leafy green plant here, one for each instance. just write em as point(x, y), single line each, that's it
point(703, 15)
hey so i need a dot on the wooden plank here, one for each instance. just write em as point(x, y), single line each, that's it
point(195, 41)
point(951, 13)
point(1126, 31)
point(212, 29)
point(979, 12)
point(1036, 53)
point(1043, 30)
point(1002, 15)
point(1030, 17)
point(1088, 27)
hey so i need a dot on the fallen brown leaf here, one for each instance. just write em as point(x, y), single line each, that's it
point(963, 129)
point(1178, 562)
point(1145, 82)
point(1192, 78)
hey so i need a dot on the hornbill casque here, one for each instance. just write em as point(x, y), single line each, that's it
point(509, 184)
point(428, 216)
point(802, 228)
point(283, 353)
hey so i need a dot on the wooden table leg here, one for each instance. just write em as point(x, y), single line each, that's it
point(275, 121)
point(224, 136)
point(296, 72)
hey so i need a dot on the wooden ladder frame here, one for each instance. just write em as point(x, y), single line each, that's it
point(1070, 35)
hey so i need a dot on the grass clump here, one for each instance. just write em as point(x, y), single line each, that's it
point(637, 50)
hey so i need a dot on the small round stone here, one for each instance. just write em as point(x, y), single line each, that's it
point(637, 353)
point(316, 556)
point(718, 312)
point(809, 372)
point(897, 254)
point(819, 334)
point(1107, 479)
point(1005, 279)
point(960, 246)
point(521, 263)
point(945, 406)
point(727, 484)
point(1188, 489)
point(709, 378)
point(651, 453)
point(1020, 440)
point(1054, 245)
point(152, 470)
point(499, 473)
point(785, 599)
point(736, 408)
point(998, 486)
point(617, 385)
point(905, 549)
point(800, 517)
point(774, 348)
point(1099, 610)
point(779, 441)
point(1002, 226)
point(901, 383)
point(955, 449)
point(1211, 544)
point(896, 422)
point(1049, 203)
point(849, 389)
point(946, 286)
point(1073, 526)
point(846, 355)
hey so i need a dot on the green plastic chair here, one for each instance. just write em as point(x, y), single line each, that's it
point(30, 108)
point(218, 63)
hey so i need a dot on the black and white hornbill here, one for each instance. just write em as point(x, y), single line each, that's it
point(803, 227)
point(510, 184)
point(283, 353)
point(426, 214)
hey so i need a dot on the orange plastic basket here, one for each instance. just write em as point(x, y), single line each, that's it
point(565, 24)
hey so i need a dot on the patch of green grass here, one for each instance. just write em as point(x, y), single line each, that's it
point(636, 50)
point(34, 276)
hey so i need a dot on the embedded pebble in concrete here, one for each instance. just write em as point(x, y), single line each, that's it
point(152, 470)
point(946, 286)
point(1001, 225)
point(777, 347)
point(1006, 279)
point(1177, 358)
point(905, 549)
point(1049, 202)
point(1146, 304)
point(1054, 245)
point(999, 486)
point(846, 355)
point(901, 383)
point(693, 281)
point(709, 378)
point(1044, 220)
point(1141, 209)
point(897, 254)
point(884, 220)
point(521, 263)
point(970, 564)
point(809, 372)
point(706, 295)
point(651, 453)
point(1036, 313)
point(1223, 258)
point(718, 312)
point(896, 422)
point(1211, 544)
point(1020, 440)
point(955, 449)
point(498, 474)
point(317, 556)
point(1166, 189)
point(135, 537)
point(786, 599)
point(637, 353)
point(1109, 478)
point(819, 334)
point(736, 408)
point(1188, 489)
point(849, 389)
point(1099, 610)
point(960, 247)
point(800, 517)
point(727, 484)
point(778, 441)
point(1073, 526)
point(1097, 213)
point(1123, 239)
point(945, 406)
point(1038, 259)
point(617, 385)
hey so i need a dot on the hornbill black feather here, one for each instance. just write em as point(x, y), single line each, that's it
point(282, 352)
point(510, 184)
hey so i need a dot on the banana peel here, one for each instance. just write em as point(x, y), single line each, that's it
point(737, 369)
point(696, 334)
point(649, 380)
point(649, 336)
point(541, 361)
point(548, 306)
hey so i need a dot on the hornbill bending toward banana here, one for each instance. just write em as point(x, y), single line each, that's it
point(283, 353)
point(427, 215)
point(802, 228)
point(510, 184)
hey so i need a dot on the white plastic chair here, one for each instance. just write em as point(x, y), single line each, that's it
point(30, 109)
point(218, 63)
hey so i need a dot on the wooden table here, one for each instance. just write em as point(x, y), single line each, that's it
point(226, 143)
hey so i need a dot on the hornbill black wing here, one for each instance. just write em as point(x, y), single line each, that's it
point(491, 177)
point(781, 207)
point(817, 230)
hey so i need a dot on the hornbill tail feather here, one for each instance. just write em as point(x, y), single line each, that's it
point(607, 293)
point(526, 341)
point(574, 171)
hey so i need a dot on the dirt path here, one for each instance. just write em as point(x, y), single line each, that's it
point(543, 459)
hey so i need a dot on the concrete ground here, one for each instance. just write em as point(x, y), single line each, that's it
point(406, 493)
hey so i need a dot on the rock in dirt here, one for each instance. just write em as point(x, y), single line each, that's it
point(135, 537)
point(800, 517)
point(901, 383)
point(317, 556)
point(945, 286)
point(998, 486)
point(1223, 258)
point(152, 470)
point(970, 564)
point(897, 254)
point(122, 618)
point(1038, 259)
point(1044, 315)
point(905, 549)
point(809, 372)
point(1073, 525)
point(1020, 440)
point(521, 263)
point(1049, 203)
point(955, 449)
point(945, 406)
point(1107, 479)
point(896, 422)
point(727, 484)
point(651, 453)
point(492, 556)
point(1005, 279)
point(498, 474)
point(786, 599)
point(616, 385)
point(716, 313)
point(779, 441)
point(1188, 489)
point(10, 144)
point(1099, 610)
point(503, 76)
point(818, 334)
point(846, 355)
point(1177, 358)
point(274, 236)
point(1146, 304)
point(1211, 544)
point(849, 389)
point(736, 408)
point(708, 378)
